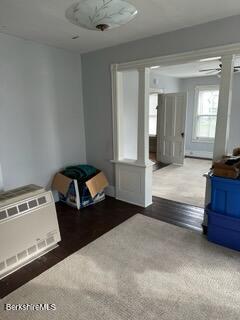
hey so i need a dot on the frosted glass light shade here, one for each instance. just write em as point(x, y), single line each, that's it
point(100, 14)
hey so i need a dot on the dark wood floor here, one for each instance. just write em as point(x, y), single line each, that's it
point(80, 228)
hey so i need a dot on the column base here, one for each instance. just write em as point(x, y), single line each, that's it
point(134, 183)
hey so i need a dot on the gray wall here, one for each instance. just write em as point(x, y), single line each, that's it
point(97, 77)
point(41, 112)
point(1, 179)
point(168, 84)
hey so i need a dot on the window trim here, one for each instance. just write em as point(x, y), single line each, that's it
point(195, 114)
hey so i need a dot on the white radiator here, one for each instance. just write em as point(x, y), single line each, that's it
point(28, 226)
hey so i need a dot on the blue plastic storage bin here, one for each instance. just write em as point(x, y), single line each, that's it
point(223, 230)
point(225, 197)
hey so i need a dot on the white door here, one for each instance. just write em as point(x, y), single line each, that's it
point(171, 127)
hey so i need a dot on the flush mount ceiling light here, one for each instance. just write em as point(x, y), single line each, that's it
point(100, 14)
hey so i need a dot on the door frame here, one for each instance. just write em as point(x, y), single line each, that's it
point(226, 52)
point(156, 91)
point(179, 58)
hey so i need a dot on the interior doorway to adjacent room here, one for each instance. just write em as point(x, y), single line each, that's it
point(209, 131)
point(182, 122)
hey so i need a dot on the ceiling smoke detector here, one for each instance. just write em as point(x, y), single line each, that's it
point(100, 14)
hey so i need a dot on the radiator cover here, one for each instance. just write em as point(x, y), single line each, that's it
point(28, 226)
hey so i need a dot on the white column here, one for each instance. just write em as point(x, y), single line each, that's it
point(143, 115)
point(224, 108)
point(222, 125)
point(133, 179)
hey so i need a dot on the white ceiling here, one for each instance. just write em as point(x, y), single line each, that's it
point(44, 21)
point(191, 69)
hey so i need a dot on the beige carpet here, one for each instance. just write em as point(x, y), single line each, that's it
point(182, 183)
point(144, 269)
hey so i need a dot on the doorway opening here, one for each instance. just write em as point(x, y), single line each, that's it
point(153, 115)
point(132, 166)
point(183, 105)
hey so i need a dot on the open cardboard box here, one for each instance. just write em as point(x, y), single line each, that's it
point(69, 191)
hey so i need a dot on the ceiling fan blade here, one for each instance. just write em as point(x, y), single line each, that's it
point(205, 70)
point(211, 59)
point(213, 72)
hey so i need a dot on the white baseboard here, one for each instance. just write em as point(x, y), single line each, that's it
point(199, 154)
point(110, 191)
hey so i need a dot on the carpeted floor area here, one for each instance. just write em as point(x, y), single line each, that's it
point(144, 269)
point(182, 183)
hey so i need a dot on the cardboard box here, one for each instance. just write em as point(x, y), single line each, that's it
point(221, 168)
point(68, 190)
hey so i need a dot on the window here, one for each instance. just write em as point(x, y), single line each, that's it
point(206, 113)
point(153, 102)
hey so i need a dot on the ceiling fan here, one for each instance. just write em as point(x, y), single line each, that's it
point(219, 69)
